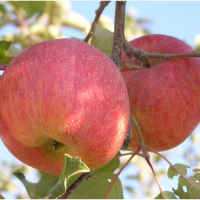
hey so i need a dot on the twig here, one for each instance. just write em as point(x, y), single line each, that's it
point(117, 175)
point(150, 165)
point(118, 41)
point(173, 167)
point(75, 185)
point(3, 67)
point(103, 4)
point(143, 56)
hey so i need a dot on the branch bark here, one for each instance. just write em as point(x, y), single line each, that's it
point(75, 185)
point(118, 42)
point(103, 4)
point(143, 56)
point(118, 39)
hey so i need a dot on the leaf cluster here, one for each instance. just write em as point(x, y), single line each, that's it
point(184, 190)
point(53, 186)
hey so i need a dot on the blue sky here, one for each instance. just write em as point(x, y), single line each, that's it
point(176, 18)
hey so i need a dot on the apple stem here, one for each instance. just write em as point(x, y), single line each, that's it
point(140, 138)
point(125, 154)
point(117, 175)
point(103, 4)
point(148, 162)
point(173, 167)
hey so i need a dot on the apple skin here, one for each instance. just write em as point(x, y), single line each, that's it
point(63, 96)
point(165, 98)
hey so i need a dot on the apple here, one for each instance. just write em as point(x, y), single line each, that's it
point(165, 98)
point(63, 96)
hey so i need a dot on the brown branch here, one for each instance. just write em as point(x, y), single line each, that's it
point(143, 56)
point(118, 42)
point(103, 4)
point(75, 185)
point(118, 39)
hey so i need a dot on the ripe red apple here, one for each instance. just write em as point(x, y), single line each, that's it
point(63, 96)
point(165, 98)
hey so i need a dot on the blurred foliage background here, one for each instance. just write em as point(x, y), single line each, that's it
point(27, 23)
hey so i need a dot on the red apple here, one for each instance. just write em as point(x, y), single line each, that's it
point(63, 96)
point(165, 98)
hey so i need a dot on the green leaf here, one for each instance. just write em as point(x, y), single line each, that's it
point(73, 166)
point(1, 197)
point(46, 181)
point(168, 195)
point(109, 167)
point(182, 168)
point(196, 170)
point(53, 185)
point(40, 189)
point(98, 186)
point(195, 179)
point(185, 190)
point(31, 7)
point(12, 51)
point(104, 43)
point(4, 46)
point(2, 9)
point(30, 187)
point(180, 190)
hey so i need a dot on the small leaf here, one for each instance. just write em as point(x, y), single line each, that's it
point(109, 167)
point(46, 181)
point(4, 46)
point(195, 179)
point(185, 190)
point(104, 43)
point(12, 51)
point(40, 189)
point(30, 187)
point(98, 186)
point(182, 168)
point(168, 195)
point(73, 166)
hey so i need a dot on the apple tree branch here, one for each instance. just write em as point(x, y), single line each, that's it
point(75, 185)
point(118, 33)
point(143, 56)
point(117, 48)
point(103, 4)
